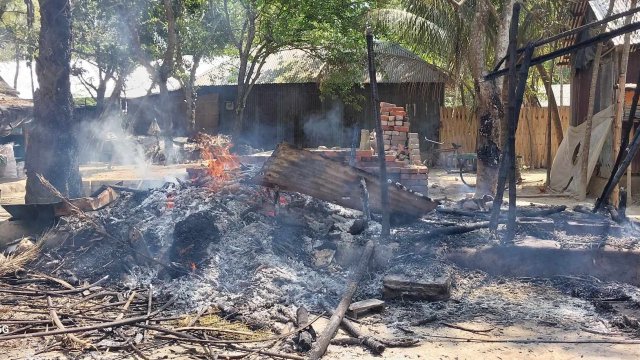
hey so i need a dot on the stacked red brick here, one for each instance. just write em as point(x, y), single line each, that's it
point(401, 150)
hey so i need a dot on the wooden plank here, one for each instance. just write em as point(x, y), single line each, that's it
point(405, 287)
point(361, 308)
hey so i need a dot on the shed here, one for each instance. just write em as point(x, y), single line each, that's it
point(581, 63)
point(13, 110)
point(286, 103)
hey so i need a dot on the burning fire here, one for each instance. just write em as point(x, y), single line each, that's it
point(215, 150)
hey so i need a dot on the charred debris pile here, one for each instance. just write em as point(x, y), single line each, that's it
point(241, 260)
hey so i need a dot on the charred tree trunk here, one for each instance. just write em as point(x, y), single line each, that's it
point(489, 108)
point(52, 149)
point(489, 112)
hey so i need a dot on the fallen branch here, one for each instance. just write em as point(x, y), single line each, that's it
point(56, 320)
point(188, 338)
point(126, 305)
point(475, 331)
point(456, 230)
point(329, 332)
point(369, 341)
point(73, 330)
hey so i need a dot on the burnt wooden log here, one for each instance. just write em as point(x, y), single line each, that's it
point(308, 173)
point(361, 308)
point(369, 341)
point(329, 332)
point(304, 338)
point(622, 204)
point(400, 286)
point(456, 230)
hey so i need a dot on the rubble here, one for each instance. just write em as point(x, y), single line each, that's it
point(219, 255)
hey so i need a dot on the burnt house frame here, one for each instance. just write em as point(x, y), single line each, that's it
point(581, 63)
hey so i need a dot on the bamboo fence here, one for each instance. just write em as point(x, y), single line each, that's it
point(459, 125)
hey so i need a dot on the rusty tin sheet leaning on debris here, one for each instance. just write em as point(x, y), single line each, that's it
point(62, 208)
point(303, 171)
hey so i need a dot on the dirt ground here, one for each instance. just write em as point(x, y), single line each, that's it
point(523, 340)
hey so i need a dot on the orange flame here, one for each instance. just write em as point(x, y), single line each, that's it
point(220, 161)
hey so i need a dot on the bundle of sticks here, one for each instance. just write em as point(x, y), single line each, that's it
point(131, 321)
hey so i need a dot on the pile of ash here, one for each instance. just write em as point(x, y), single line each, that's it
point(241, 244)
point(262, 253)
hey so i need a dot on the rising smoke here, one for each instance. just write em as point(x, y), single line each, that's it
point(108, 139)
point(325, 128)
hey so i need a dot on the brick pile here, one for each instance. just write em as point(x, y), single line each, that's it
point(401, 150)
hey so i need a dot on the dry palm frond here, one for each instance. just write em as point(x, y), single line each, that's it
point(12, 263)
point(227, 329)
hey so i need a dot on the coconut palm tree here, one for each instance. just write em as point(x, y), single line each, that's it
point(466, 38)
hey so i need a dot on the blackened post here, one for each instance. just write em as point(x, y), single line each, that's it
point(375, 103)
point(504, 164)
point(622, 204)
point(523, 74)
point(365, 199)
point(626, 130)
point(629, 154)
point(548, 143)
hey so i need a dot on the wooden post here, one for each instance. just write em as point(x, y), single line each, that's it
point(583, 181)
point(523, 74)
point(629, 175)
point(627, 126)
point(620, 100)
point(375, 102)
point(548, 143)
point(585, 145)
point(504, 164)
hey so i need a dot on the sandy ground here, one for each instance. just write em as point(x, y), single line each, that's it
point(438, 342)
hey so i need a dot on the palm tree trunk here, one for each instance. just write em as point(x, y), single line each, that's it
point(489, 109)
point(52, 149)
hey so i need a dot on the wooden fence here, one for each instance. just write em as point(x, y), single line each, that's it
point(459, 125)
